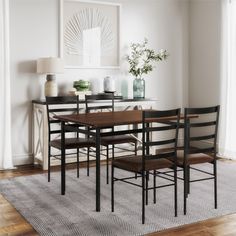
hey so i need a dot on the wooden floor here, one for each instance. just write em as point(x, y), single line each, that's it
point(12, 223)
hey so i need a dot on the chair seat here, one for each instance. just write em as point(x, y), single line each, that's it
point(117, 139)
point(134, 163)
point(192, 159)
point(71, 143)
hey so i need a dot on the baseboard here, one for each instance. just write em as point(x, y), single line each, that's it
point(23, 159)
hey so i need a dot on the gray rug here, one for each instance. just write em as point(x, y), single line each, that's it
point(50, 213)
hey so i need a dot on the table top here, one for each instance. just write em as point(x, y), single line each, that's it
point(117, 99)
point(105, 119)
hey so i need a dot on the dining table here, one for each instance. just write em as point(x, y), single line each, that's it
point(95, 123)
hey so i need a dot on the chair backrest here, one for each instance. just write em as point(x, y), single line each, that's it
point(99, 102)
point(201, 133)
point(61, 105)
point(160, 129)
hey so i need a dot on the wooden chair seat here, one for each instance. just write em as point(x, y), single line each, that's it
point(134, 163)
point(193, 159)
point(118, 139)
point(72, 143)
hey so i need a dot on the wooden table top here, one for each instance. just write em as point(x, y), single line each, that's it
point(106, 119)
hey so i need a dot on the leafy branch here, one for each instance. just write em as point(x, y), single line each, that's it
point(142, 58)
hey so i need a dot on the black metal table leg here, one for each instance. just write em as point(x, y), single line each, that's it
point(98, 143)
point(63, 169)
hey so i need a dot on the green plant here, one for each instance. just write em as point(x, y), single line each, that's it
point(81, 85)
point(142, 58)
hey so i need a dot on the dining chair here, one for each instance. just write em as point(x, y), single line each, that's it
point(163, 134)
point(200, 136)
point(102, 103)
point(63, 105)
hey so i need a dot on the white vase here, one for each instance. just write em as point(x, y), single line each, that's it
point(109, 84)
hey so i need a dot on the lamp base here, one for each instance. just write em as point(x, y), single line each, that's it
point(50, 86)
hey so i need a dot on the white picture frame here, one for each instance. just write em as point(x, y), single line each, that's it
point(90, 34)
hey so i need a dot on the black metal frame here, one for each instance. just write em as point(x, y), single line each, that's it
point(97, 134)
point(188, 149)
point(53, 105)
point(91, 99)
point(150, 117)
point(108, 98)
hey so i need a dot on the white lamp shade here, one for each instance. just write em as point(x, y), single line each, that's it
point(50, 65)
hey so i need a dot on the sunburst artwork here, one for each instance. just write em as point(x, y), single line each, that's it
point(90, 34)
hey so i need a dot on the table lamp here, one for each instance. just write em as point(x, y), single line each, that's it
point(50, 66)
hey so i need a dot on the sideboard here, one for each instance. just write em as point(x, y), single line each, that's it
point(40, 126)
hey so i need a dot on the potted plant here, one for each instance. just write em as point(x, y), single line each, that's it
point(141, 60)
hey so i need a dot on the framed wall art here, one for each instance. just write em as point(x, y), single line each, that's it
point(89, 34)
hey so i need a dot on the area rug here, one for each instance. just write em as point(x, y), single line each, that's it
point(50, 213)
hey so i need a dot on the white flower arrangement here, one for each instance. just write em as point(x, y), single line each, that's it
point(142, 58)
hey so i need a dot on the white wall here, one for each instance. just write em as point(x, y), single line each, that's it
point(34, 33)
point(204, 51)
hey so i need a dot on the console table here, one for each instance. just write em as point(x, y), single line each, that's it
point(40, 126)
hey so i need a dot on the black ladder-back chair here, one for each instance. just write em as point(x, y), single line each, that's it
point(100, 103)
point(197, 133)
point(63, 105)
point(153, 122)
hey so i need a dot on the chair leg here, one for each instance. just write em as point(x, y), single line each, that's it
point(88, 161)
point(135, 153)
point(49, 164)
point(176, 191)
point(143, 197)
point(113, 152)
point(147, 179)
point(154, 187)
point(77, 162)
point(185, 190)
point(148, 175)
point(112, 188)
point(188, 177)
point(107, 163)
point(215, 184)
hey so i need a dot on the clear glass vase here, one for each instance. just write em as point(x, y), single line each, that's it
point(139, 88)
